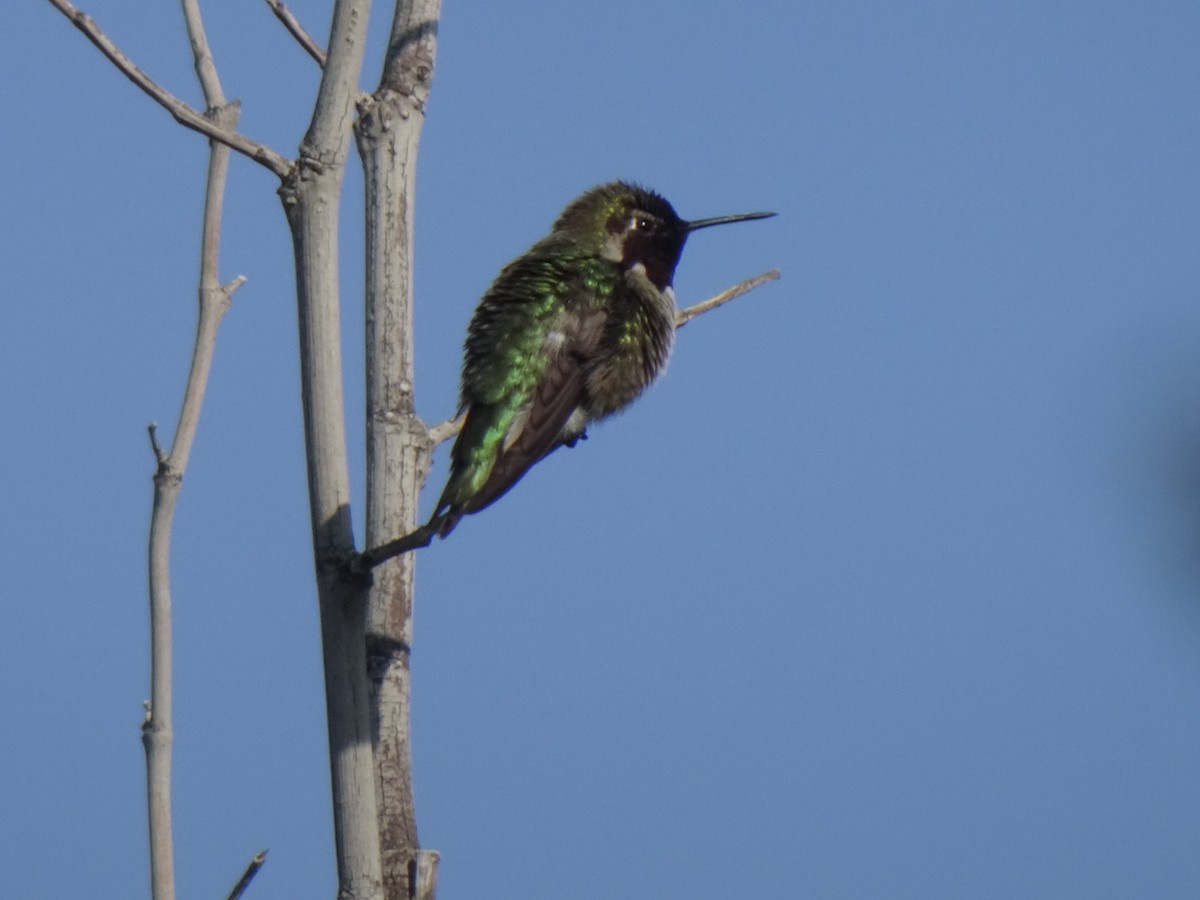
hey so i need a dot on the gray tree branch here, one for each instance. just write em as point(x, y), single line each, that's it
point(214, 301)
point(731, 293)
point(180, 111)
point(292, 24)
point(398, 447)
point(311, 196)
point(256, 863)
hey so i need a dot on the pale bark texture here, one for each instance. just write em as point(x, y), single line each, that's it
point(311, 196)
point(214, 300)
point(398, 443)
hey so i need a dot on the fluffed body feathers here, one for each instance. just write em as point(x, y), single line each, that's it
point(570, 332)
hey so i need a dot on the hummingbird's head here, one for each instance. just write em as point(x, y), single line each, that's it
point(634, 226)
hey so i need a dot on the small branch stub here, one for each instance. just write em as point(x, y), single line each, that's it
point(423, 875)
point(256, 863)
point(443, 431)
point(159, 455)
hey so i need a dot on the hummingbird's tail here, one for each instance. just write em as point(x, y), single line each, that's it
point(442, 523)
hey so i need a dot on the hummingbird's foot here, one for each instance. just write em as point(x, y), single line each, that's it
point(571, 442)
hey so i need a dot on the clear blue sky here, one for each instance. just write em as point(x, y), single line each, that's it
point(891, 588)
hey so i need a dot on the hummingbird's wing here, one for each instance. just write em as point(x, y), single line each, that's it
point(536, 430)
point(523, 376)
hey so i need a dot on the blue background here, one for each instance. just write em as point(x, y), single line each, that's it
point(891, 588)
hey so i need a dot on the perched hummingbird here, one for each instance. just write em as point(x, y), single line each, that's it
point(569, 332)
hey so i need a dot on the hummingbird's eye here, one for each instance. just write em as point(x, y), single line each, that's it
point(642, 223)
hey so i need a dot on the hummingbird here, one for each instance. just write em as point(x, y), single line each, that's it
point(570, 332)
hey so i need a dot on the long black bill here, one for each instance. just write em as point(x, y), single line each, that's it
point(721, 220)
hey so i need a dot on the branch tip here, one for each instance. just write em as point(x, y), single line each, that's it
point(159, 455)
point(742, 287)
point(292, 24)
point(256, 863)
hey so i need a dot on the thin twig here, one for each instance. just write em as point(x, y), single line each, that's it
point(443, 431)
point(228, 288)
point(180, 111)
point(256, 863)
point(743, 287)
point(206, 69)
point(160, 455)
point(214, 300)
point(292, 24)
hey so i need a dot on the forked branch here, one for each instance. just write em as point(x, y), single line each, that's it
point(214, 301)
point(182, 113)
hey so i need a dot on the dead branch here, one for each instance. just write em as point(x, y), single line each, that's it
point(256, 863)
point(214, 301)
point(742, 287)
point(180, 111)
point(292, 24)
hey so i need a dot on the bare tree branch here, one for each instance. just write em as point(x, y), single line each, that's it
point(742, 287)
point(292, 24)
point(388, 132)
point(160, 455)
point(310, 200)
point(443, 431)
point(206, 69)
point(214, 301)
point(168, 479)
point(256, 863)
point(180, 111)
